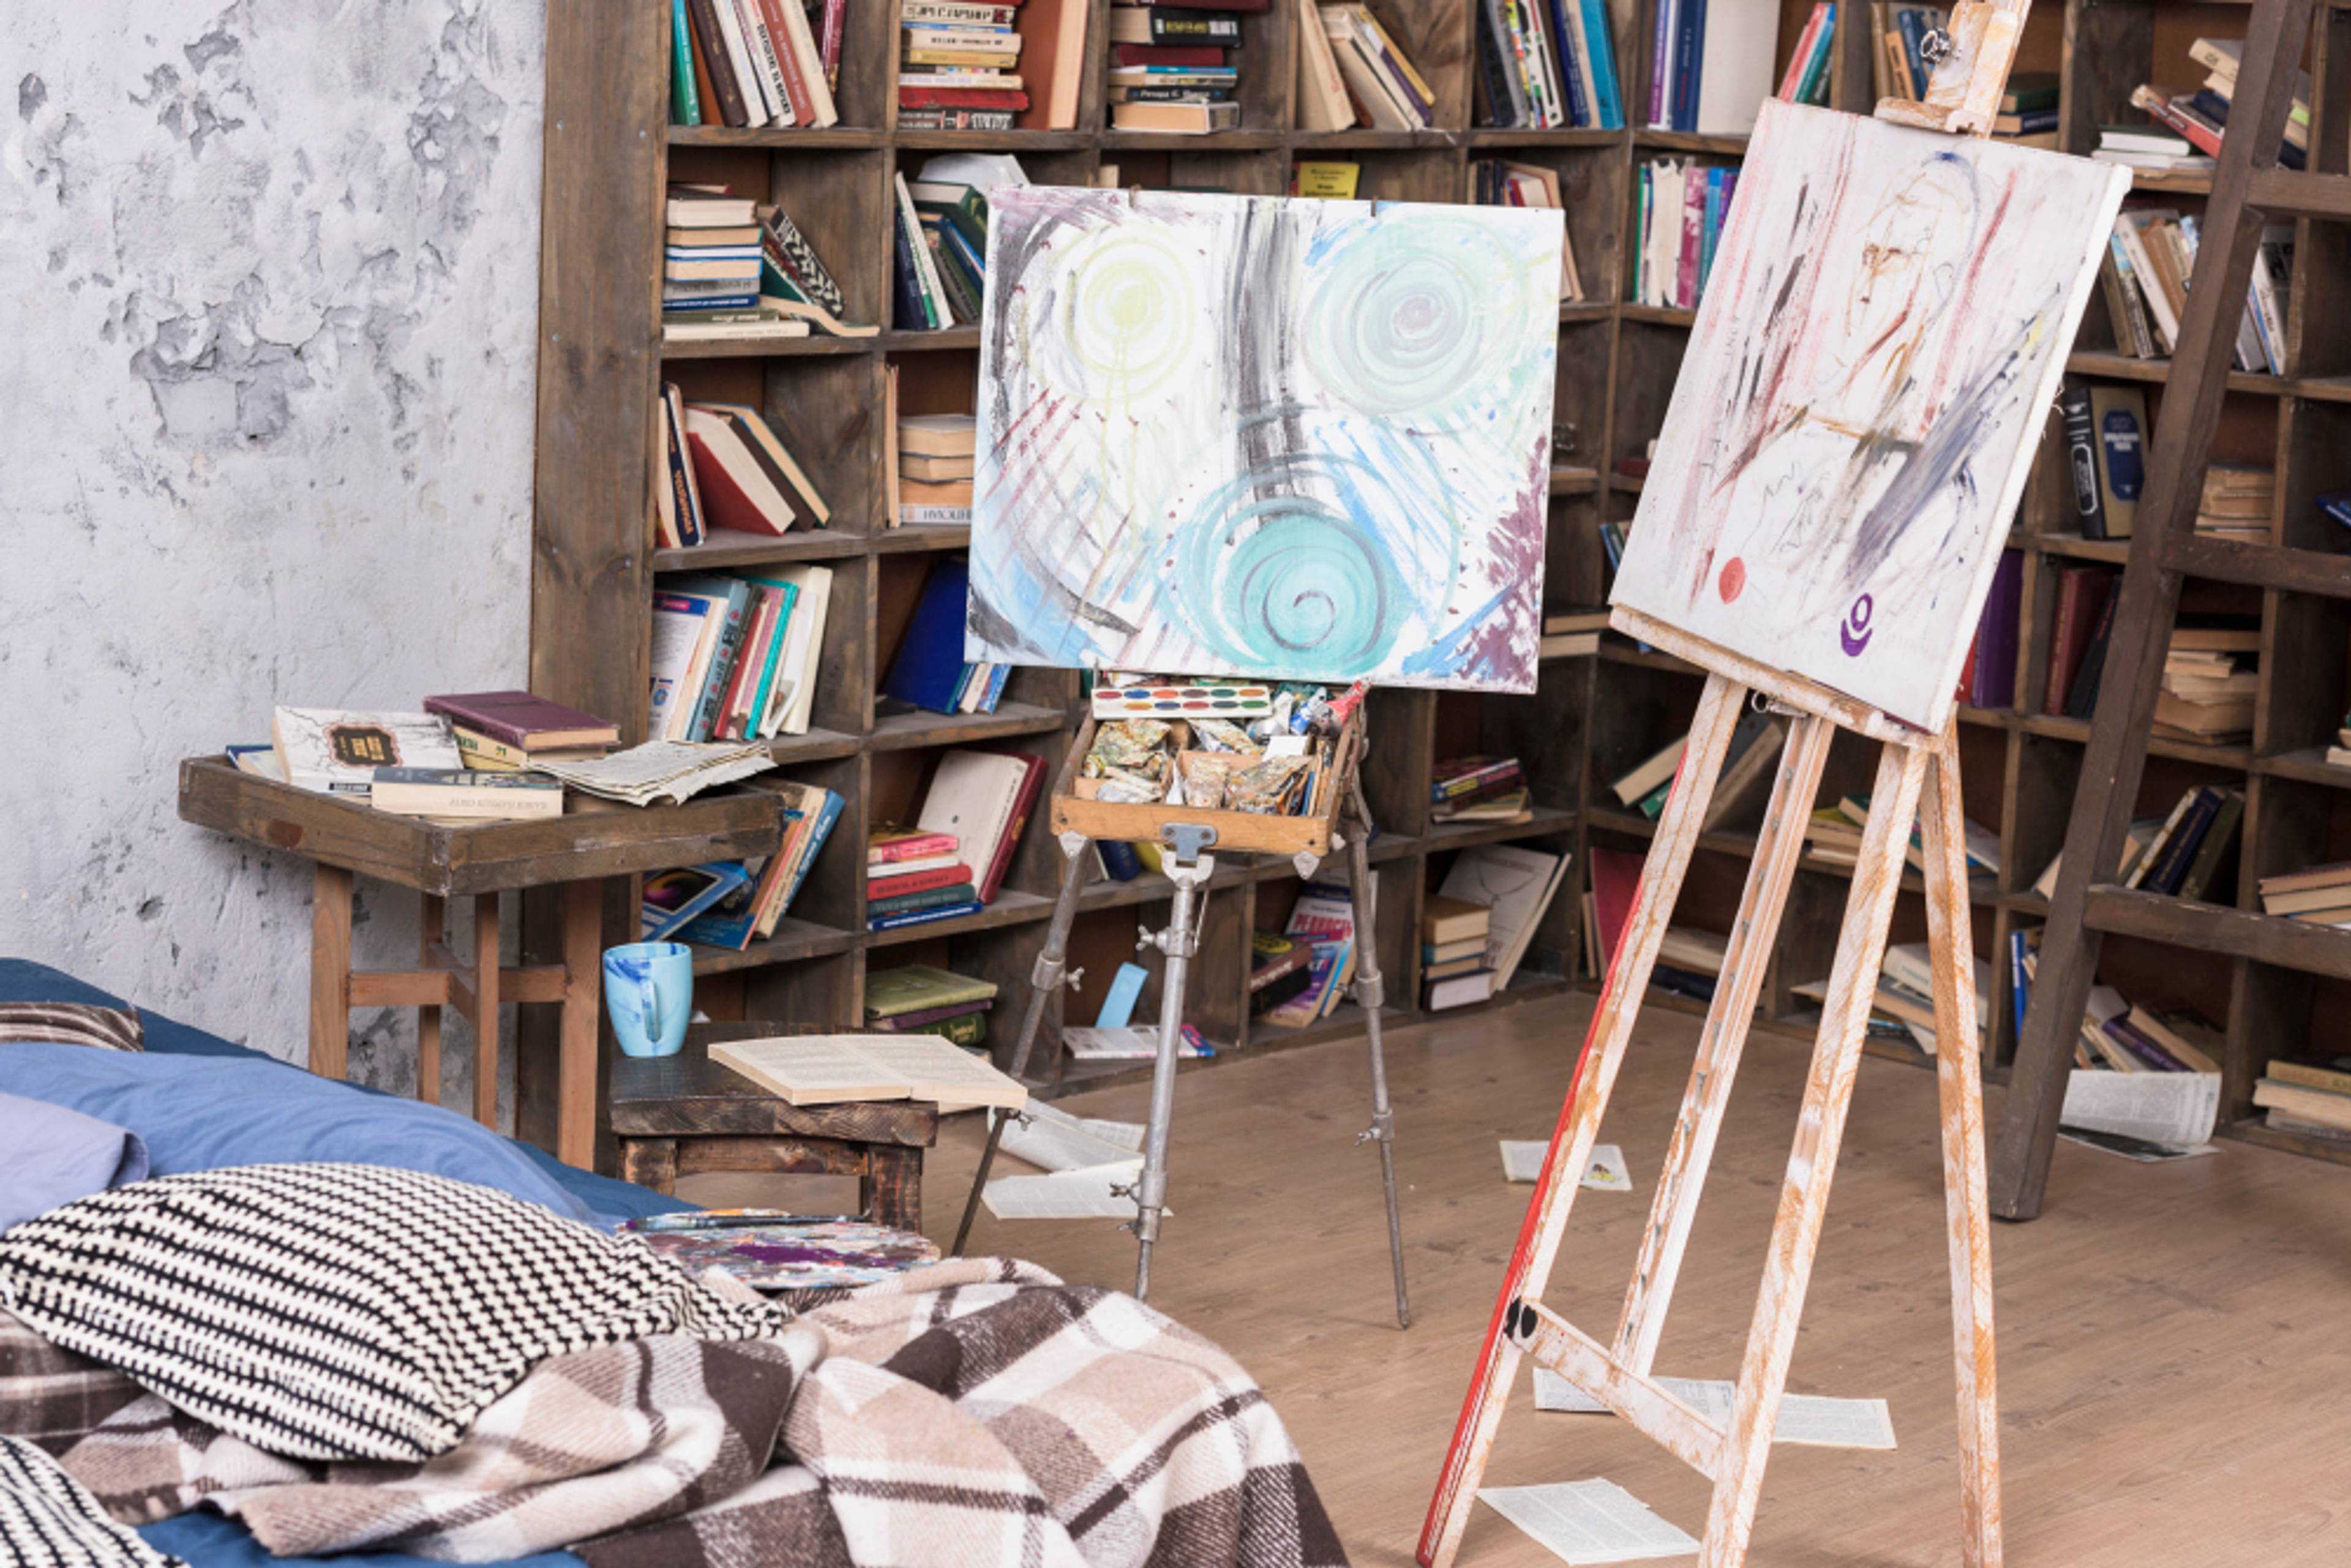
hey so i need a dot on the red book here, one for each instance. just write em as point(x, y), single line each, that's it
point(891, 886)
point(2081, 595)
point(962, 98)
point(1616, 880)
point(1968, 670)
point(519, 719)
point(788, 59)
point(907, 844)
point(1168, 54)
point(1031, 784)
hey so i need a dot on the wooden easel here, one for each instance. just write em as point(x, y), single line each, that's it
point(1914, 769)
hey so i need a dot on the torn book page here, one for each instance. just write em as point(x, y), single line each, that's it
point(1523, 1160)
point(1054, 1140)
point(1589, 1521)
point(2174, 1108)
point(1811, 1419)
point(1065, 1195)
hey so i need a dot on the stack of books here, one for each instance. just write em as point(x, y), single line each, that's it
point(2151, 148)
point(1386, 90)
point(735, 657)
point(2106, 447)
point(1479, 790)
point(710, 259)
point(2145, 277)
point(1494, 183)
point(2183, 855)
point(935, 453)
point(1830, 835)
point(1546, 65)
point(1710, 66)
point(1454, 934)
point(979, 800)
point(1571, 633)
point(2318, 894)
point(1806, 79)
point(725, 468)
point(1514, 884)
point(1906, 992)
point(929, 671)
point(961, 68)
point(1323, 918)
point(2028, 110)
point(1171, 65)
point(2309, 1098)
point(1679, 211)
point(1899, 63)
point(2236, 500)
point(909, 872)
point(2083, 626)
point(915, 999)
point(1980, 844)
point(750, 909)
point(795, 285)
point(2208, 693)
point(950, 218)
point(754, 63)
point(512, 731)
point(2220, 58)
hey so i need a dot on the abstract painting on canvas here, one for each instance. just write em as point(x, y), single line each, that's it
point(1301, 440)
point(1879, 346)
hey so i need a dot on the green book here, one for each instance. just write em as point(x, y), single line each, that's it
point(970, 1029)
point(912, 988)
point(684, 104)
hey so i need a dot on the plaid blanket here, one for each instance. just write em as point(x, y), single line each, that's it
point(975, 1411)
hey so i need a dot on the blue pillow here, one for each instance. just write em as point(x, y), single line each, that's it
point(50, 1156)
point(22, 981)
point(200, 1114)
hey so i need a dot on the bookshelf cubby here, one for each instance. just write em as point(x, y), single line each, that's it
point(610, 152)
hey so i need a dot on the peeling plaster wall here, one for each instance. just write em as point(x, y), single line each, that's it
point(270, 283)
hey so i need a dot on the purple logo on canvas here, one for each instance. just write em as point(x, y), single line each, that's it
point(1855, 633)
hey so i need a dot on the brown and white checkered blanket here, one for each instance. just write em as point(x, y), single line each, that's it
point(977, 1411)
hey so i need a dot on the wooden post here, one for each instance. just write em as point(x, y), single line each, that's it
point(486, 1010)
point(582, 912)
point(330, 971)
point(432, 923)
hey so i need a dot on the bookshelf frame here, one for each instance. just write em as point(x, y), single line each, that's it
point(610, 152)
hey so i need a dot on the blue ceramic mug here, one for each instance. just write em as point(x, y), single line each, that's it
point(649, 991)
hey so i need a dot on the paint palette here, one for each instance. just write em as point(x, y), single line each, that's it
point(1183, 700)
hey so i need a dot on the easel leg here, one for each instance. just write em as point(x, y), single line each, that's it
point(1950, 941)
point(1579, 1123)
point(1728, 1019)
point(1190, 873)
point(1812, 1163)
point(330, 971)
point(432, 925)
point(486, 1010)
point(1370, 995)
point(1044, 979)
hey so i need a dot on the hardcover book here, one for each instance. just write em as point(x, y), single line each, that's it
point(336, 750)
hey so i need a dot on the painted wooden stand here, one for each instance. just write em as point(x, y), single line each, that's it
point(1915, 770)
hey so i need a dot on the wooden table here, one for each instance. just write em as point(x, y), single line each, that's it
point(676, 1115)
point(592, 839)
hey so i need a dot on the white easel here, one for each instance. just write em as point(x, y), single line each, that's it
point(1915, 769)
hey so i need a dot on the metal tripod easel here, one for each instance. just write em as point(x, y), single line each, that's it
point(1187, 863)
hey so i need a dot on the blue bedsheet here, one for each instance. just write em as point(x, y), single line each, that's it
point(207, 1540)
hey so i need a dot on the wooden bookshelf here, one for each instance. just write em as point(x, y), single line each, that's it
point(610, 151)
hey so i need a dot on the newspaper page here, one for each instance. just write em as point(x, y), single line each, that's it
point(2172, 1108)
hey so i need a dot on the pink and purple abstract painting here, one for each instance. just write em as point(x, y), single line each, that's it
point(1297, 440)
point(1880, 340)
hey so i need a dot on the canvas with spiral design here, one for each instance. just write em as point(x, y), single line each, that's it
point(1302, 440)
point(340, 1312)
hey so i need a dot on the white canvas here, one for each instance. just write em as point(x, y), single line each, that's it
point(1881, 338)
point(1247, 435)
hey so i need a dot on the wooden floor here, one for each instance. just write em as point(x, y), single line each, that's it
point(2174, 1341)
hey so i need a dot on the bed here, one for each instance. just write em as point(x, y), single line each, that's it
point(1238, 1490)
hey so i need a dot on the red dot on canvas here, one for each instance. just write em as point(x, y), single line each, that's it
point(1733, 578)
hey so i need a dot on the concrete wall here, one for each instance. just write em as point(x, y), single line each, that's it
point(269, 276)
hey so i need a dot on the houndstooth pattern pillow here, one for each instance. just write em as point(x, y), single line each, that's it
point(340, 1312)
point(49, 1520)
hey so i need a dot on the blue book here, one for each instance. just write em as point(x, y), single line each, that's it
point(734, 595)
point(1118, 857)
point(1913, 27)
point(929, 670)
point(1690, 59)
point(1118, 1003)
point(827, 815)
point(1608, 102)
point(1579, 108)
point(710, 302)
point(673, 898)
point(924, 916)
point(907, 292)
point(2020, 984)
point(2337, 507)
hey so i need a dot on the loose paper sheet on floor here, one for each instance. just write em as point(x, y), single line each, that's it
point(1523, 1160)
point(1065, 1195)
point(2175, 1108)
point(1589, 1521)
point(1803, 1417)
